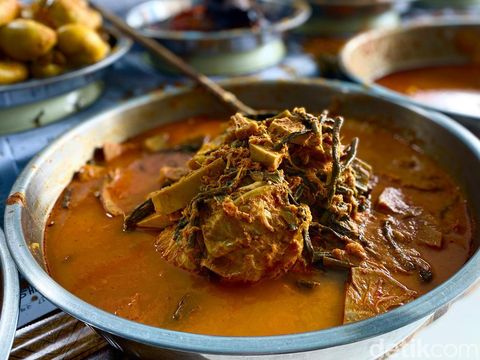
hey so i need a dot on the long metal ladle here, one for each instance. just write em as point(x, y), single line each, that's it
point(161, 51)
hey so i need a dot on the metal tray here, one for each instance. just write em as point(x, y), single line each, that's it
point(9, 299)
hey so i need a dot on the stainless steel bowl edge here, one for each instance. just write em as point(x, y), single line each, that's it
point(11, 297)
point(214, 42)
point(368, 81)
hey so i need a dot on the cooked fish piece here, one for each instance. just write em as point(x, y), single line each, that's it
point(372, 292)
point(121, 190)
point(107, 194)
point(392, 200)
point(110, 150)
point(428, 230)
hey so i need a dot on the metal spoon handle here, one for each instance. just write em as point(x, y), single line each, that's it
point(161, 51)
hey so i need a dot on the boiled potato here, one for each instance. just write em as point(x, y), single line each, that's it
point(12, 72)
point(9, 10)
point(81, 45)
point(26, 40)
point(47, 70)
point(57, 13)
point(52, 64)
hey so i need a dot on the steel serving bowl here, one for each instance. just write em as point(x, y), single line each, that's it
point(372, 55)
point(233, 51)
point(435, 4)
point(43, 180)
point(36, 90)
point(9, 299)
point(290, 14)
point(346, 17)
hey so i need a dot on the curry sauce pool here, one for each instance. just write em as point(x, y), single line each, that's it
point(453, 88)
point(121, 272)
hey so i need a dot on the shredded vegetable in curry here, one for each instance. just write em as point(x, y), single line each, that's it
point(263, 198)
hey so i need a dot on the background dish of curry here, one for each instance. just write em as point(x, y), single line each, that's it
point(447, 44)
point(225, 51)
point(434, 133)
point(9, 299)
point(344, 17)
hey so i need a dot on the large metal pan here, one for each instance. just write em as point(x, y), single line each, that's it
point(9, 299)
point(45, 177)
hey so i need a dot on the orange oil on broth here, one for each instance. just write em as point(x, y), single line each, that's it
point(88, 253)
point(452, 88)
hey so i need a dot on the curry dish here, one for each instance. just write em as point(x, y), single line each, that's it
point(452, 88)
point(250, 227)
point(215, 15)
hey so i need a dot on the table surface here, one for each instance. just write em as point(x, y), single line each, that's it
point(455, 335)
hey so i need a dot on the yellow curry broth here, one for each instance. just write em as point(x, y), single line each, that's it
point(90, 255)
point(392, 158)
point(453, 88)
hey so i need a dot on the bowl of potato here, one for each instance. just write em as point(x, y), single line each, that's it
point(50, 49)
